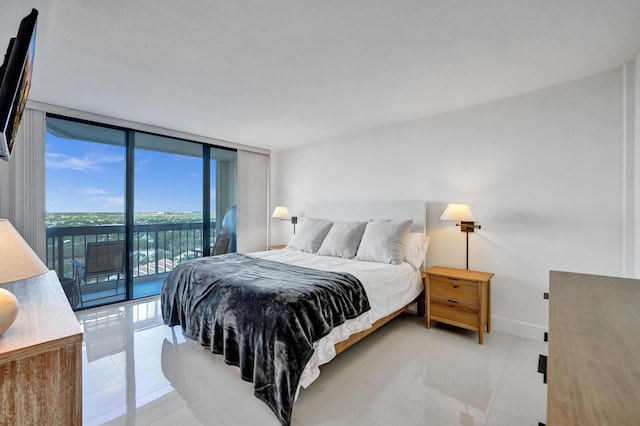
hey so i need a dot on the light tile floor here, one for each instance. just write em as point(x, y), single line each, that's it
point(138, 371)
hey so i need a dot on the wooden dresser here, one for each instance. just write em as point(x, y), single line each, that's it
point(41, 357)
point(593, 367)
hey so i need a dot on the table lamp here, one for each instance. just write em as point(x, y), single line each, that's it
point(17, 262)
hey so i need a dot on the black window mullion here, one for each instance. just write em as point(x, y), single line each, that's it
point(206, 200)
point(129, 169)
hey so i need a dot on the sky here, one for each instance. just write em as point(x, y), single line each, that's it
point(90, 177)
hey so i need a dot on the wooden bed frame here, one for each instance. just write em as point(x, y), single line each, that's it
point(368, 210)
point(355, 338)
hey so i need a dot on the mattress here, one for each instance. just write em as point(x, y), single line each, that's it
point(389, 288)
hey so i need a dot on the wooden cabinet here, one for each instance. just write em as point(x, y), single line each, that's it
point(41, 357)
point(459, 297)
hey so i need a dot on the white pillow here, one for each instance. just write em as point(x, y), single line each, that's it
point(383, 241)
point(416, 245)
point(343, 239)
point(310, 235)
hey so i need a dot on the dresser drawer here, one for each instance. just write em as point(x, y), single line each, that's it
point(456, 313)
point(451, 288)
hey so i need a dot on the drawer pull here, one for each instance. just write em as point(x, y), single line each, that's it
point(452, 301)
point(455, 286)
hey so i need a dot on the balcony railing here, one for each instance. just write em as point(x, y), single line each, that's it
point(157, 248)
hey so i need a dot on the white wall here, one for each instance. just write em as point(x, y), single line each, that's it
point(629, 170)
point(542, 173)
point(636, 154)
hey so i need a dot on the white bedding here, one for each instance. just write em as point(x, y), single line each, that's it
point(388, 287)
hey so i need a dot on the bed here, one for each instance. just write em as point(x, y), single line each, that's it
point(278, 315)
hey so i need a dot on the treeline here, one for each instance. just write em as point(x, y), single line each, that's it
point(63, 220)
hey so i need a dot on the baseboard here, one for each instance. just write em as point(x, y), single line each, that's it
point(517, 328)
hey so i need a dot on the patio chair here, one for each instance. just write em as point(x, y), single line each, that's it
point(103, 259)
point(221, 245)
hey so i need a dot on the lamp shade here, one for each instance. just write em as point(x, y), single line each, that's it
point(17, 260)
point(280, 213)
point(457, 212)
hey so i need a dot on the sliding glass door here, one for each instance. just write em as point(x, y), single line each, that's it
point(168, 215)
point(135, 204)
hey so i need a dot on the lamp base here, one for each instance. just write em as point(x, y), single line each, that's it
point(8, 309)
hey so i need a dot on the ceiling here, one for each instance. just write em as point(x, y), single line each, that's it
point(281, 73)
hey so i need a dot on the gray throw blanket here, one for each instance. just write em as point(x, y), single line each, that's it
point(263, 316)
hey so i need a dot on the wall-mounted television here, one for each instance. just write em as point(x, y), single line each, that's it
point(15, 81)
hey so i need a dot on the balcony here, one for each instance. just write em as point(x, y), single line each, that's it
point(157, 249)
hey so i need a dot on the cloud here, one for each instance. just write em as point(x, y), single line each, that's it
point(114, 201)
point(141, 164)
point(99, 196)
point(88, 163)
point(92, 191)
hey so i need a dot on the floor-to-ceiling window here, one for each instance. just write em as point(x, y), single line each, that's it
point(112, 191)
point(85, 207)
point(168, 213)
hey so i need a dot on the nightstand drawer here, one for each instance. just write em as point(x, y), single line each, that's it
point(456, 289)
point(456, 313)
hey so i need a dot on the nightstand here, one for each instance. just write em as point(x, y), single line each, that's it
point(277, 247)
point(459, 297)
